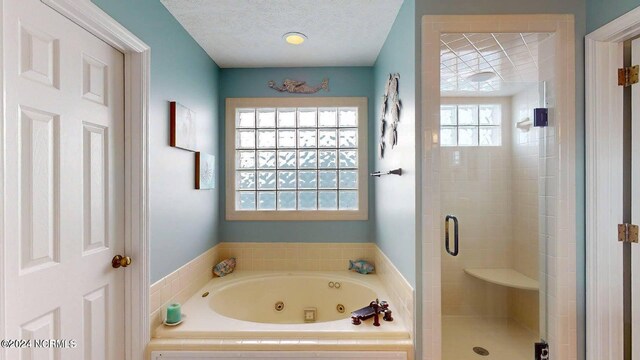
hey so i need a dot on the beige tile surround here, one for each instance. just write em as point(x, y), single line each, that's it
point(184, 282)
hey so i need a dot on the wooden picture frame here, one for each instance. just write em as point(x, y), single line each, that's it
point(183, 128)
point(205, 171)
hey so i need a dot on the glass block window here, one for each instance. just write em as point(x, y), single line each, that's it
point(297, 159)
point(471, 125)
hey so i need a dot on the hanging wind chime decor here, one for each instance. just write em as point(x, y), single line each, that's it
point(390, 101)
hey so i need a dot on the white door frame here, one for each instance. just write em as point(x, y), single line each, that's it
point(561, 276)
point(604, 126)
point(137, 74)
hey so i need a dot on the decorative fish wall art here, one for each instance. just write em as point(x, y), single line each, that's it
point(391, 102)
point(299, 87)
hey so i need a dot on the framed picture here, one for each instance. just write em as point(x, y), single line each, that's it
point(183, 127)
point(205, 171)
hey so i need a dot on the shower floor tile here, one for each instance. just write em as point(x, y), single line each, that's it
point(504, 339)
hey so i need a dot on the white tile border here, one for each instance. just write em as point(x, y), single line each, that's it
point(562, 258)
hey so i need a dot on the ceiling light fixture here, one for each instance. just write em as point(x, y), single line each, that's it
point(294, 38)
point(481, 76)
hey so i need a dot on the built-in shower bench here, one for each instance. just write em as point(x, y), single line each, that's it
point(505, 277)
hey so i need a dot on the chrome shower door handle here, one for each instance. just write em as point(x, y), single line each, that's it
point(455, 235)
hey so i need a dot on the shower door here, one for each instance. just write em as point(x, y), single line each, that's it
point(497, 212)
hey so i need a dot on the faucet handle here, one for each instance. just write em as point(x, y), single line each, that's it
point(384, 304)
point(387, 315)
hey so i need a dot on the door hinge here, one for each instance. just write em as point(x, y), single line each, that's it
point(628, 233)
point(628, 76)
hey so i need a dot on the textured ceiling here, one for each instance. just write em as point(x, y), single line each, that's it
point(512, 56)
point(248, 33)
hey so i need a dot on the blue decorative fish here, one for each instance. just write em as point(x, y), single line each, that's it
point(361, 266)
point(225, 267)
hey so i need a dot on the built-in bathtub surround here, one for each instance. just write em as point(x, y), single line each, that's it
point(178, 286)
point(401, 294)
point(255, 260)
point(253, 256)
point(250, 256)
point(272, 304)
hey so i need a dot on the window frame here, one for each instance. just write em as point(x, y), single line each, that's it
point(231, 214)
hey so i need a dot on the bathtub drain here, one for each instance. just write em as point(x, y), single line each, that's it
point(279, 306)
point(481, 351)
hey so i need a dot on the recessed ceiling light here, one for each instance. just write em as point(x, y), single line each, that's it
point(481, 76)
point(294, 38)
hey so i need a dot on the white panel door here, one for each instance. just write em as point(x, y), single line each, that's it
point(64, 187)
point(635, 205)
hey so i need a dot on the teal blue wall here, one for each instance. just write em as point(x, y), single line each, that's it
point(343, 81)
point(578, 9)
point(184, 221)
point(600, 12)
point(394, 225)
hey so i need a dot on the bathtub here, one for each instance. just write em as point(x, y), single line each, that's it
point(271, 305)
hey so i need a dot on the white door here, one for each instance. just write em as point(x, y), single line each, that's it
point(635, 205)
point(64, 187)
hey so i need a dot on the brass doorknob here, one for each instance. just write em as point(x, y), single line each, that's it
point(120, 261)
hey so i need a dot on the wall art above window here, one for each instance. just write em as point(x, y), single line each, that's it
point(183, 132)
point(299, 87)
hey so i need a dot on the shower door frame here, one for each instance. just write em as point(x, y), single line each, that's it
point(561, 257)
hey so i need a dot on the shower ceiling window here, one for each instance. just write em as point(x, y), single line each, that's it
point(471, 125)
